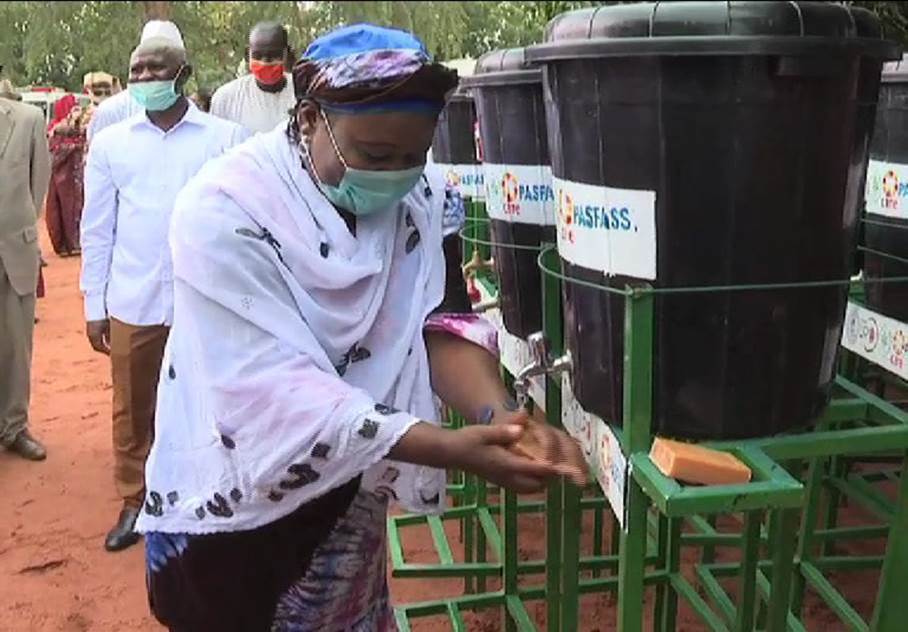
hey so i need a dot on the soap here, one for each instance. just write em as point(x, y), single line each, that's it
point(695, 464)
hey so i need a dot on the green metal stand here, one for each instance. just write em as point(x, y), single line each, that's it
point(785, 542)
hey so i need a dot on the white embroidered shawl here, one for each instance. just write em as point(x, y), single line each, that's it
point(294, 344)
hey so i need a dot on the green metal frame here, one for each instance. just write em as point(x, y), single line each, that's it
point(785, 539)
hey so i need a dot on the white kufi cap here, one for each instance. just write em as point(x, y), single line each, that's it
point(160, 28)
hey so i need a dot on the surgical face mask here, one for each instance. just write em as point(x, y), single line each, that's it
point(365, 192)
point(155, 96)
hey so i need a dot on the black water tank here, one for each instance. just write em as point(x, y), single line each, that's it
point(520, 201)
point(886, 195)
point(711, 144)
point(454, 148)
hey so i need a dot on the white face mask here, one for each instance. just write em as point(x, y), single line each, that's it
point(364, 192)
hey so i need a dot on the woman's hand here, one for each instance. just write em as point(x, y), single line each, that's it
point(546, 444)
point(487, 451)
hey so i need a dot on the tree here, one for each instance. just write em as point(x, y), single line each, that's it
point(57, 42)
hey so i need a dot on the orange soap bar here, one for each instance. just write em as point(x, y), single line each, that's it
point(696, 464)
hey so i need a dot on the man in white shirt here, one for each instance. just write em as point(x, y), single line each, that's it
point(262, 99)
point(122, 106)
point(134, 171)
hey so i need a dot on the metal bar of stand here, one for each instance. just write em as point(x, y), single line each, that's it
point(888, 614)
point(638, 390)
point(556, 490)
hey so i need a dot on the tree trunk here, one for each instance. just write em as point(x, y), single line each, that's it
point(155, 10)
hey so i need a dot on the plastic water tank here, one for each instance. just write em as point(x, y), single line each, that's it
point(520, 200)
point(711, 144)
point(454, 147)
point(886, 195)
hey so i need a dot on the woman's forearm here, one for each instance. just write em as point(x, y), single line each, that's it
point(466, 376)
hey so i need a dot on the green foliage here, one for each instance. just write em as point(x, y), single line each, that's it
point(57, 42)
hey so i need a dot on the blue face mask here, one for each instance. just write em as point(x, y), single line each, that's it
point(155, 96)
point(365, 192)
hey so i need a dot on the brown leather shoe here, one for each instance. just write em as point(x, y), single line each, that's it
point(123, 535)
point(28, 447)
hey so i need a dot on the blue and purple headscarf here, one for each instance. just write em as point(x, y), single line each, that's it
point(366, 69)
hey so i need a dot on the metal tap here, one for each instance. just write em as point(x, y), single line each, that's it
point(542, 363)
point(475, 264)
point(484, 306)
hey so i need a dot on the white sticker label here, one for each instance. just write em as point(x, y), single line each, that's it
point(520, 193)
point(607, 229)
point(886, 192)
point(467, 179)
point(600, 446)
point(515, 352)
point(877, 338)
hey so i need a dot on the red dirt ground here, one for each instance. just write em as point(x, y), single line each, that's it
point(55, 575)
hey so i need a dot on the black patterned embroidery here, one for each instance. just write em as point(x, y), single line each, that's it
point(386, 491)
point(265, 236)
point(320, 451)
point(229, 443)
point(323, 249)
point(303, 475)
point(172, 373)
point(369, 429)
point(275, 497)
point(219, 507)
point(385, 410)
point(354, 354)
point(172, 498)
point(154, 506)
point(200, 512)
point(428, 190)
point(431, 500)
point(236, 495)
point(409, 220)
point(412, 241)
point(391, 475)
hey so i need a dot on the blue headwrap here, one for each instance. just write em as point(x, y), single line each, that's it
point(366, 68)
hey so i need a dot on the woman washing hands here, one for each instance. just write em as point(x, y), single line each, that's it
point(310, 331)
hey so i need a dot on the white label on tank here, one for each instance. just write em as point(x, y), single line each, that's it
point(607, 229)
point(522, 194)
point(882, 340)
point(600, 447)
point(886, 192)
point(467, 179)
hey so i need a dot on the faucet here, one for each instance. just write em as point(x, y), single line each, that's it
point(475, 264)
point(541, 363)
point(484, 306)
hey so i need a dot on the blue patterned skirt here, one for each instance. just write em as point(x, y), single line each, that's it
point(322, 568)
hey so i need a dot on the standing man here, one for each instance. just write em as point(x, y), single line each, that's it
point(24, 174)
point(135, 170)
point(121, 105)
point(262, 99)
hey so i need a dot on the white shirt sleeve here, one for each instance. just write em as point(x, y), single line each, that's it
point(99, 220)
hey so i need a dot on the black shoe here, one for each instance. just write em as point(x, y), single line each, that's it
point(28, 447)
point(122, 536)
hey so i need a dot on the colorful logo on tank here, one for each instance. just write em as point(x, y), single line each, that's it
point(513, 194)
point(885, 189)
point(453, 179)
point(566, 216)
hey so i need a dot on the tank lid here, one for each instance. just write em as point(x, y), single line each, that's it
point(506, 66)
point(714, 28)
point(461, 92)
point(896, 71)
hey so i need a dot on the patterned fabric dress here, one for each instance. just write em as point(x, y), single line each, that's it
point(309, 572)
